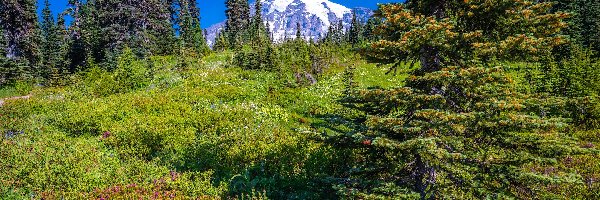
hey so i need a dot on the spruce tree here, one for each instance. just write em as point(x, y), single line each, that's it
point(329, 35)
point(355, 32)
point(51, 45)
point(341, 33)
point(4, 70)
point(259, 32)
point(103, 27)
point(298, 31)
point(236, 26)
point(191, 32)
point(584, 23)
point(84, 33)
point(221, 41)
point(335, 33)
point(19, 21)
point(268, 32)
point(368, 33)
point(459, 129)
point(64, 44)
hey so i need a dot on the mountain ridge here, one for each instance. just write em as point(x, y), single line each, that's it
point(315, 17)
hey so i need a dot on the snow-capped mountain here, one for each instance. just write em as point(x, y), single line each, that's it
point(315, 17)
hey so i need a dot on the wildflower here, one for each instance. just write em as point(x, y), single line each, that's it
point(105, 134)
point(173, 175)
point(367, 142)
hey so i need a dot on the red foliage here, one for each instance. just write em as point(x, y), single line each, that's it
point(367, 142)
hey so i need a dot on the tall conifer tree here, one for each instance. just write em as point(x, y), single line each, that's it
point(298, 31)
point(221, 41)
point(51, 44)
point(369, 29)
point(355, 32)
point(459, 129)
point(259, 30)
point(80, 47)
point(106, 26)
point(191, 32)
point(19, 21)
point(4, 67)
point(238, 21)
point(584, 25)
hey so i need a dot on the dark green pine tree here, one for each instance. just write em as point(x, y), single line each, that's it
point(19, 21)
point(191, 32)
point(341, 33)
point(459, 129)
point(64, 45)
point(259, 32)
point(368, 33)
point(261, 40)
point(85, 35)
point(584, 24)
point(268, 32)
point(238, 21)
point(298, 31)
point(4, 67)
point(51, 47)
point(221, 41)
point(205, 32)
point(335, 33)
point(259, 55)
point(356, 29)
point(329, 35)
point(107, 26)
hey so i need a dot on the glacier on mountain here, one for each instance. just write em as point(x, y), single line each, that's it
point(314, 16)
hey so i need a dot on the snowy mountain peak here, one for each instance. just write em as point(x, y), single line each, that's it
point(319, 8)
point(314, 16)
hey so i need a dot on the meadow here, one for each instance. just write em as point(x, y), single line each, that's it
point(187, 128)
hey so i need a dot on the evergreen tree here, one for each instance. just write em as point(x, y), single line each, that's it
point(64, 45)
point(51, 45)
point(259, 32)
point(268, 32)
point(341, 33)
point(459, 129)
point(298, 31)
point(329, 35)
point(80, 31)
point(261, 54)
point(355, 32)
point(191, 32)
point(584, 24)
point(19, 21)
point(236, 26)
point(205, 36)
point(221, 41)
point(4, 67)
point(269, 58)
point(335, 33)
point(103, 27)
point(369, 29)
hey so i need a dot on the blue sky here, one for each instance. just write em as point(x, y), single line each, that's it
point(213, 11)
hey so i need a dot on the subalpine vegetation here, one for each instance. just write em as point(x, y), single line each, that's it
point(428, 99)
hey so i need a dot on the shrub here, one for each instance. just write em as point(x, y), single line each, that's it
point(131, 74)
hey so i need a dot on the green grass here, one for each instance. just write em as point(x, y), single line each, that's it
point(19, 88)
point(187, 128)
point(8, 92)
point(194, 128)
